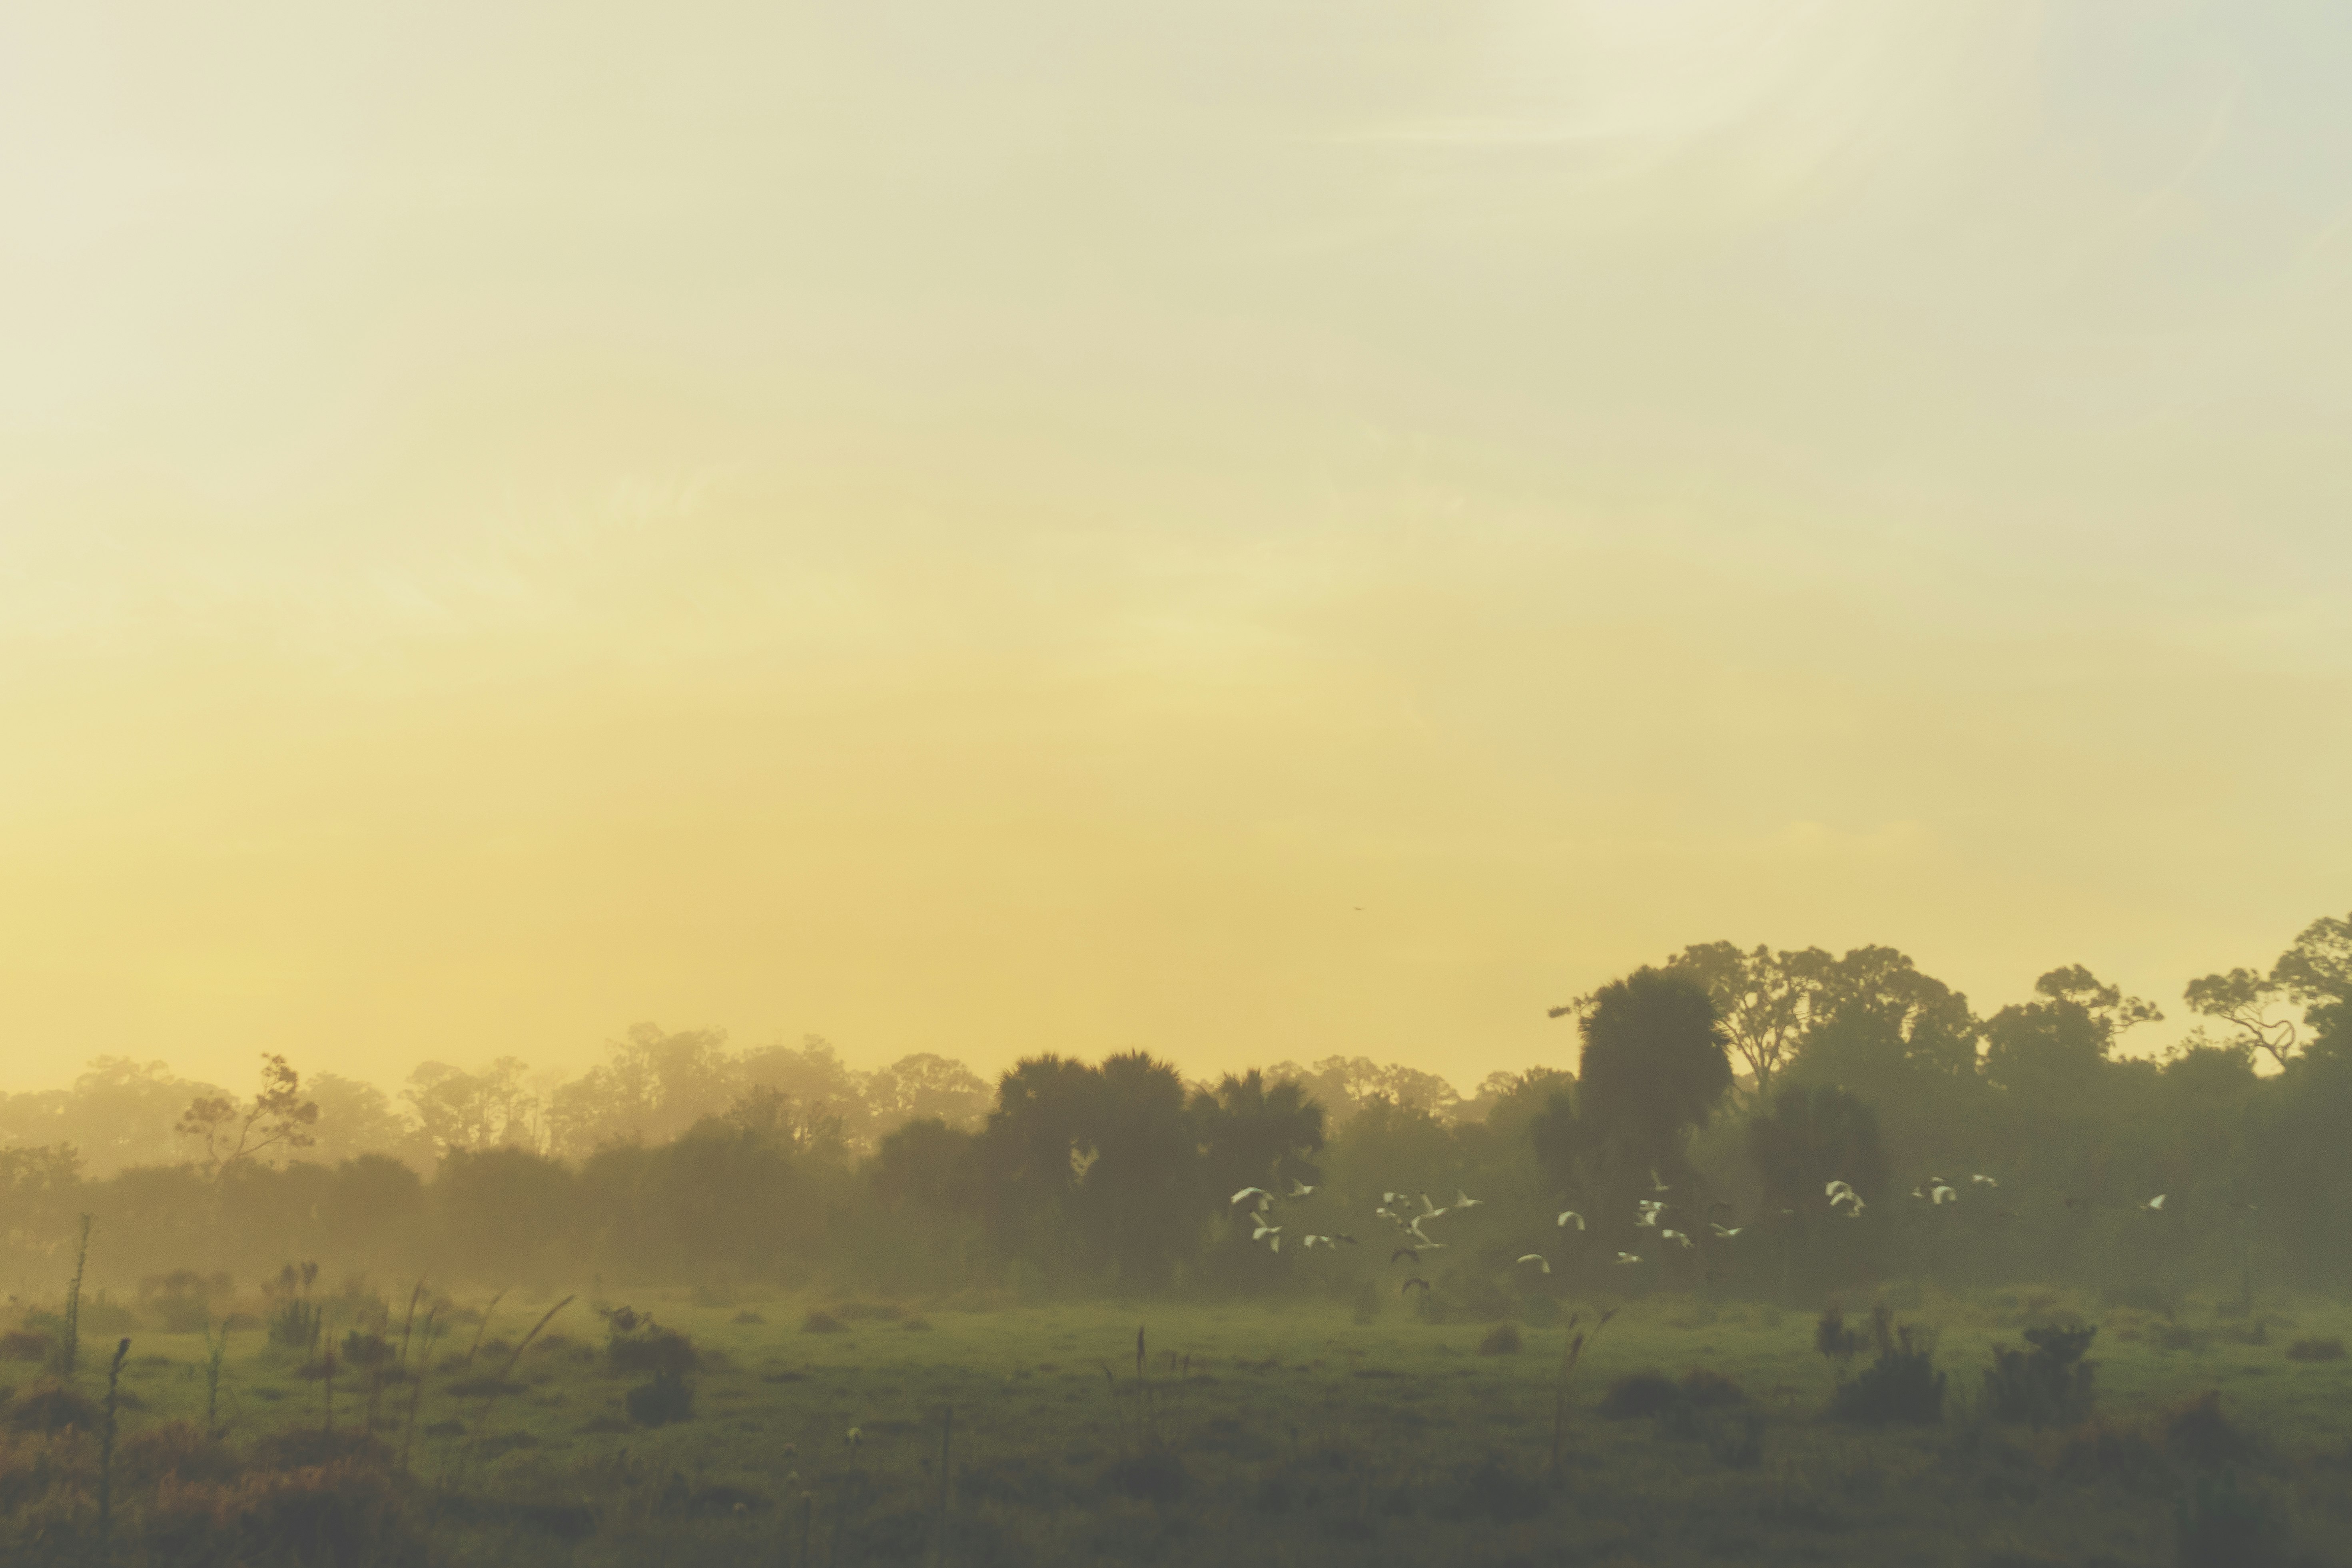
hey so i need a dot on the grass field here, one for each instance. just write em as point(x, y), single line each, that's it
point(1290, 1433)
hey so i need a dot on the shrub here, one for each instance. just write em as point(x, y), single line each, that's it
point(2050, 1385)
point(341, 1513)
point(822, 1324)
point(179, 1449)
point(1707, 1390)
point(2223, 1525)
point(861, 1311)
point(1902, 1384)
point(1639, 1394)
point(668, 1397)
point(1503, 1339)
point(2200, 1434)
point(51, 1406)
point(26, 1344)
point(2315, 1349)
point(1832, 1339)
point(1736, 1439)
point(635, 1342)
point(364, 1350)
point(747, 1316)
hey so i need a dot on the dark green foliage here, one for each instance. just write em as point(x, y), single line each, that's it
point(2200, 1434)
point(1832, 1340)
point(2328, 1348)
point(1640, 1393)
point(1707, 1390)
point(1812, 1135)
point(668, 1397)
point(822, 1322)
point(28, 1344)
point(634, 1342)
point(1654, 1064)
point(294, 1318)
point(50, 1406)
point(1901, 1385)
point(1501, 1339)
point(2222, 1523)
point(1734, 1438)
point(2051, 1386)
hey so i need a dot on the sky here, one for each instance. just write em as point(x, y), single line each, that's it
point(1253, 529)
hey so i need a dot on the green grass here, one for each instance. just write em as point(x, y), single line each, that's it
point(1301, 1435)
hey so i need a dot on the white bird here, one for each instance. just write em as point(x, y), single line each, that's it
point(1945, 1196)
point(1299, 1189)
point(1628, 1257)
point(1463, 1200)
point(1306, 1243)
point(1536, 1258)
point(1649, 1217)
point(1656, 1185)
point(1984, 1181)
point(2154, 1204)
point(1395, 1197)
point(1566, 1214)
point(1265, 1230)
point(1429, 1210)
point(1834, 1189)
point(1250, 1192)
point(854, 1438)
point(1677, 1238)
point(1420, 1235)
point(1726, 1235)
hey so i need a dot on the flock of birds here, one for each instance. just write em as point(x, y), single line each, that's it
point(1650, 1213)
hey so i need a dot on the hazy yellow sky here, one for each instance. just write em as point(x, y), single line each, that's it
point(990, 527)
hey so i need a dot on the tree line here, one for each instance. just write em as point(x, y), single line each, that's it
point(1739, 1082)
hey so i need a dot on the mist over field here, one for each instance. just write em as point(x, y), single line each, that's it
point(1272, 782)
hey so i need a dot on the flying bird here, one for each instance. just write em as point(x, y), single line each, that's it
point(2154, 1204)
point(1536, 1258)
point(1406, 1252)
point(1677, 1238)
point(1422, 1236)
point(1412, 1282)
point(1566, 1214)
point(1299, 1189)
point(1463, 1200)
point(1263, 1196)
point(1945, 1196)
point(1984, 1181)
point(1656, 1185)
point(1649, 1217)
point(1628, 1257)
point(1726, 1235)
point(1265, 1230)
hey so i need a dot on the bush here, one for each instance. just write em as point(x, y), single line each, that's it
point(332, 1514)
point(1706, 1390)
point(51, 1406)
point(635, 1342)
point(1639, 1394)
point(2315, 1349)
point(2050, 1386)
point(668, 1397)
point(178, 1450)
point(1902, 1384)
point(2200, 1434)
point(26, 1344)
point(1501, 1339)
point(822, 1324)
point(2223, 1525)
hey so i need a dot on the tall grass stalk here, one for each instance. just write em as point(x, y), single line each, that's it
point(416, 1392)
point(106, 1449)
point(215, 1353)
point(490, 1400)
point(69, 1345)
point(484, 1326)
point(947, 1447)
point(1570, 1355)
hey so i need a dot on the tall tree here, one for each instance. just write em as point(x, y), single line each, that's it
point(1253, 1133)
point(277, 1117)
point(2315, 973)
point(1764, 1001)
point(486, 1109)
point(2056, 1045)
point(1811, 1136)
point(1653, 1068)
